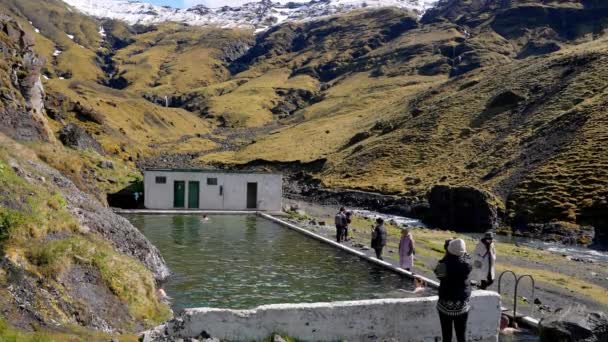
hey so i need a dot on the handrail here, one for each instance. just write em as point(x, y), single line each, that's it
point(517, 287)
point(502, 274)
point(517, 281)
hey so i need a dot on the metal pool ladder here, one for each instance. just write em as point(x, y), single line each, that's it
point(517, 282)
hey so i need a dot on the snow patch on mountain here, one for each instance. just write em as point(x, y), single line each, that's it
point(258, 14)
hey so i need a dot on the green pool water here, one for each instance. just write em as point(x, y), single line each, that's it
point(247, 261)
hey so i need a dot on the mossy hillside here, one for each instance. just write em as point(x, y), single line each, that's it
point(132, 126)
point(176, 58)
point(250, 105)
point(86, 170)
point(72, 334)
point(42, 236)
point(453, 132)
point(55, 20)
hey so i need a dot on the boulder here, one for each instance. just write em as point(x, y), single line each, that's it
point(76, 137)
point(106, 164)
point(585, 327)
point(463, 208)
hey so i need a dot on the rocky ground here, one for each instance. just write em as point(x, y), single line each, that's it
point(562, 284)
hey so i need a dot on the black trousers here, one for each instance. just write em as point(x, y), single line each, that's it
point(459, 323)
point(378, 252)
point(485, 284)
point(339, 233)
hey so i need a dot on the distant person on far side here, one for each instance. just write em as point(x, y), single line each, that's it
point(454, 290)
point(406, 250)
point(340, 221)
point(379, 237)
point(348, 215)
point(484, 261)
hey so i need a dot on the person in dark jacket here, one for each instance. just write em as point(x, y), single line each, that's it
point(379, 237)
point(340, 221)
point(454, 290)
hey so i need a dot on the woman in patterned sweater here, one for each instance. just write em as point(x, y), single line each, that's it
point(454, 290)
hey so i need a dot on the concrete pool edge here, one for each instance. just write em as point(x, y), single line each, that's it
point(525, 320)
point(430, 282)
point(404, 319)
point(191, 212)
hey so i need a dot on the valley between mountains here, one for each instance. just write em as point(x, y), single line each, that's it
point(505, 98)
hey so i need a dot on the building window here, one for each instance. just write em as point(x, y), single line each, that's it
point(211, 181)
point(161, 180)
point(221, 190)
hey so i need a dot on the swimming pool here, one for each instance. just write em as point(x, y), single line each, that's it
point(243, 261)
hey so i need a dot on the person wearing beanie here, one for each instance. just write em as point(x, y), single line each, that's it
point(454, 290)
point(484, 261)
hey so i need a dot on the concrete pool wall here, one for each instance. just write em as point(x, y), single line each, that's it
point(409, 319)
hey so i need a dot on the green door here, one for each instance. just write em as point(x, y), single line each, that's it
point(179, 194)
point(193, 194)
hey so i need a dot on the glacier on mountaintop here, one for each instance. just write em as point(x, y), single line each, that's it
point(258, 15)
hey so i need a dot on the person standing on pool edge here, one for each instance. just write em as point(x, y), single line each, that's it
point(379, 237)
point(484, 261)
point(454, 290)
point(406, 250)
point(348, 216)
point(340, 221)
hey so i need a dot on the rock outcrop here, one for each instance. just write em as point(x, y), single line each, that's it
point(93, 216)
point(76, 137)
point(463, 208)
point(22, 113)
point(589, 327)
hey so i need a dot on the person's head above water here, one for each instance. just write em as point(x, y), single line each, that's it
point(457, 247)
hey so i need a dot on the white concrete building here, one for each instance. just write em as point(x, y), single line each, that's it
point(212, 190)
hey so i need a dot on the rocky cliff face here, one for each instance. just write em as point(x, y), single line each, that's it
point(65, 258)
point(22, 112)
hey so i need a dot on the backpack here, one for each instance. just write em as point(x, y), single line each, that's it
point(339, 220)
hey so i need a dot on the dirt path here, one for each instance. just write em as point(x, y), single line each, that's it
point(561, 284)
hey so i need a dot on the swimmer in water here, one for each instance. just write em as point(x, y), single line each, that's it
point(205, 218)
point(419, 286)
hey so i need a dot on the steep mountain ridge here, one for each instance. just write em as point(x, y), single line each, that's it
point(255, 14)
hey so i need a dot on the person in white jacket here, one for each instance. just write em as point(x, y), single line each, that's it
point(484, 261)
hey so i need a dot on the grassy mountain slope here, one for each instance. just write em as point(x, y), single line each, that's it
point(474, 104)
point(387, 102)
point(126, 125)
